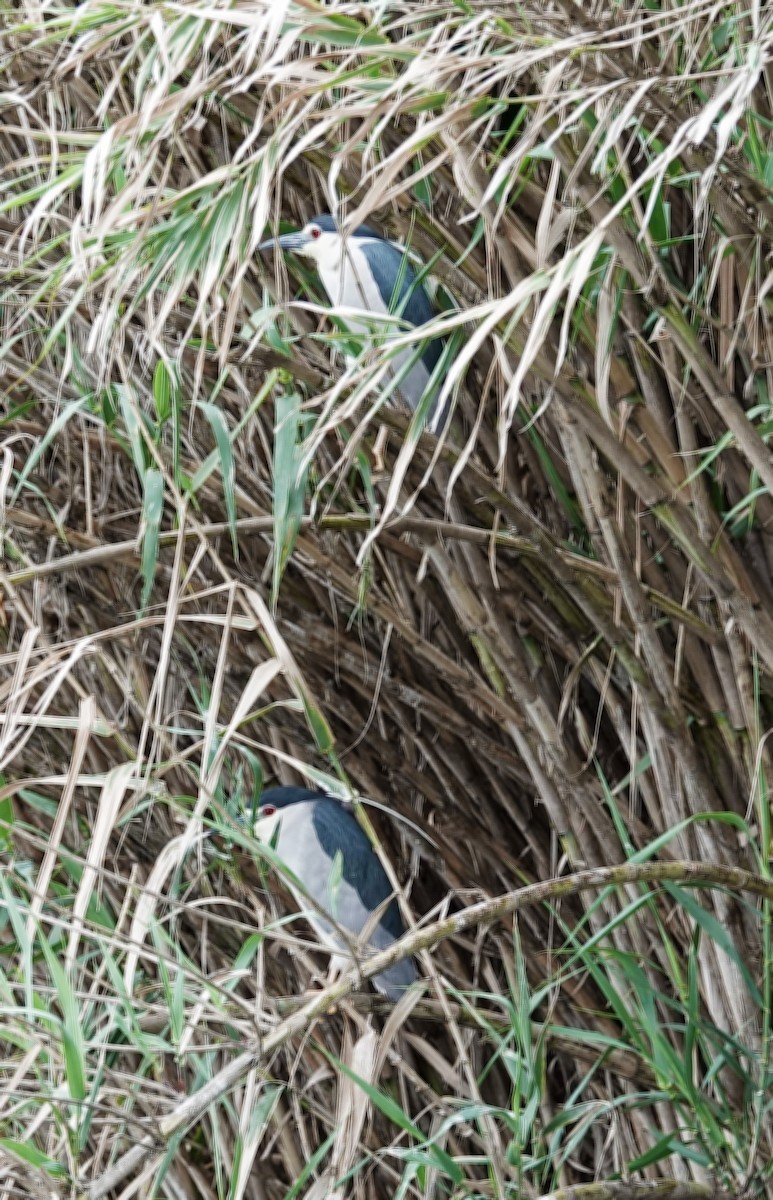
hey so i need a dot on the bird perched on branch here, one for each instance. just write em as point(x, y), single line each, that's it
point(365, 271)
point(320, 841)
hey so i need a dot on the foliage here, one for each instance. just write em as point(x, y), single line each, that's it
point(543, 642)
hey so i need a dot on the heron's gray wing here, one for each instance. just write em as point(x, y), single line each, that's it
point(389, 264)
point(337, 831)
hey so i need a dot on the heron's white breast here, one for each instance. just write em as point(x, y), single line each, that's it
point(298, 847)
point(348, 281)
point(344, 271)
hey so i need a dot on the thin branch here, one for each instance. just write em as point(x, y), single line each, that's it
point(484, 913)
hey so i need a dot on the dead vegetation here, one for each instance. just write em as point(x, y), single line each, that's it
point(544, 644)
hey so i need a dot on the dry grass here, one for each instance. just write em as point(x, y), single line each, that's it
point(546, 642)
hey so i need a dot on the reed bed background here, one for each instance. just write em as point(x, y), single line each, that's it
point(541, 644)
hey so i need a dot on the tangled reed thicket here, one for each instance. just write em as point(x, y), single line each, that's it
point(546, 641)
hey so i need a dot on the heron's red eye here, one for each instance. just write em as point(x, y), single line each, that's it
point(315, 231)
point(268, 810)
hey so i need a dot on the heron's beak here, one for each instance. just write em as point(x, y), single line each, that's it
point(288, 241)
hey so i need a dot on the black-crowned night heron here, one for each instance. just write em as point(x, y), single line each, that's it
point(365, 271)
point(321, 842)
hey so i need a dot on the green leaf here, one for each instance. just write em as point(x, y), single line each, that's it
point(712, 928)
point(243, 959)
point(72, 1033)
point(152, 511)
point(393, 1112)
point(289, 485)
point(27, 1153)
point(310, 1167)
point(6, 820)
point(317, 723)
point(13, 911)
point(162, 392)
point(227, 469)
point(277, 342)
point(248, 1139)
point(131, 419)
point(56, 426)
point(422, 191)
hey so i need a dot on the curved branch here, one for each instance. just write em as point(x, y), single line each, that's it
point(486, 912)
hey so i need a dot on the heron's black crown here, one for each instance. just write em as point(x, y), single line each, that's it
point(328, 225)
point(283, 797)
